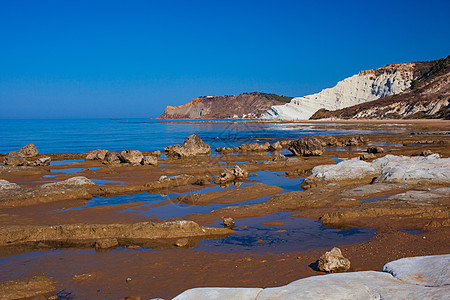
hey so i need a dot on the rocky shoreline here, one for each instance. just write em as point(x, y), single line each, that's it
point(389, 181)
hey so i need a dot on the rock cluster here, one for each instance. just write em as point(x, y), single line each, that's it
point(43, 161)
point(231, 174)
point(306, 147)
point(97, 154)
point(134, 157)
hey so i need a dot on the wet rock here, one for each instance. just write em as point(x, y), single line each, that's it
point(172, 148)
point(231, 174)
point(97, 154)
point(306, 147)
point(227, 149)
point(106, 243)
point(29, 150)
point(181, 242)
point(333, 261)
point(43, 161)
point(131, 156)
point(278, 157)
point(275, 146)
point(15, 159)
point(74, 181)
point(6, 185)
point(156, 153)
point(284, 143)
point(112, 157)
point(355, 141)
point(149, 160)
point(82, 232)
point(375, 150)
point(37, 287)
point(193, 145)
point(228, 223)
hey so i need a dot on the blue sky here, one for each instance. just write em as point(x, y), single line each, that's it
point(88, 59)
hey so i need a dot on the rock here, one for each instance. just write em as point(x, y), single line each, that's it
point(375, 150)
point(172, 148)
point(220, 293)
point(37, 287)
point(97, 154)
point(43, 161)
point(228, 223)
point(333, 261)
point(306, 147)
point(278, 157)
point(29, 150)
point(426, 153)
point(275, 146)
point(347, 170)
point(231, 174)
point(156, 153)
point(149, 160)
point(227, 149)
point(254, 147)
point(6, 185)
point(367, 156)
point(193, 145)
point(418, 169)
point(181, 242)
point(131, 156)
point(112, 157)
point(106, 243)
point(74, 181)
point(15, 159)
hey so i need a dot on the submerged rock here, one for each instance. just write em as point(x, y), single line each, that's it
point(29, 150)
point(306, 147)
point(333, 261)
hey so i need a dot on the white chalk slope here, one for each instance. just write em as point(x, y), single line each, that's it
point(362, 87)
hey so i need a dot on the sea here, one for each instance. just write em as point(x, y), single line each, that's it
point(84, 135)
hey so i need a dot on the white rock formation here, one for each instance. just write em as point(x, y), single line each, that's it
point(423, 277)
point(362, 87)
point(6, 185)
point(74, 181)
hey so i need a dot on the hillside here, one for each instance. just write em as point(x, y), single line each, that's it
point(360, 88)
point(427, 97)
point(247, 105)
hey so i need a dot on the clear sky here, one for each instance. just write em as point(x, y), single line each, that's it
point(87, 59)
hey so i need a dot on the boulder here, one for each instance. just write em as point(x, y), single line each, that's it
point(106, 243)
point(149, 160)
point(131, 156)
point(15, 159)
point(6, 185)
point(193, 145)
point(43, 161)
point(112, 157)
point(306, 147)
point(74, 181)
point(375, 150)
point(333, 261)
point(97, 154)
point(29, 150)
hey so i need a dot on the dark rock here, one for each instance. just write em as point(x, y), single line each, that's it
point(333, 261)
point(29, 150)
point(97, 154)
point(15, 159)
point(306, 147)
point(367, 156)
point(131, 156)
point(43, 161)
point(426, 153)
point(228, 223)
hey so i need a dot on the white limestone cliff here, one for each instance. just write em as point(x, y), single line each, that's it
point(362, 87)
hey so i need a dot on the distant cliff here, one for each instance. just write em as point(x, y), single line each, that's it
point(428, 96)
point(247, 105)
point(360, 88)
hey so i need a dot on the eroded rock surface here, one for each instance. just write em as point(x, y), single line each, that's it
point(193, 145)
point(306, 147)
point(333, 261)
point(131, 156)
point(43, 161)
point(6, 185)
point(29, 150)
point(15, 159)
point(37, 287)
point(97, 154)
point(74, 181)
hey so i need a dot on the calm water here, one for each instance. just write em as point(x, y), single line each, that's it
point(140, 134)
